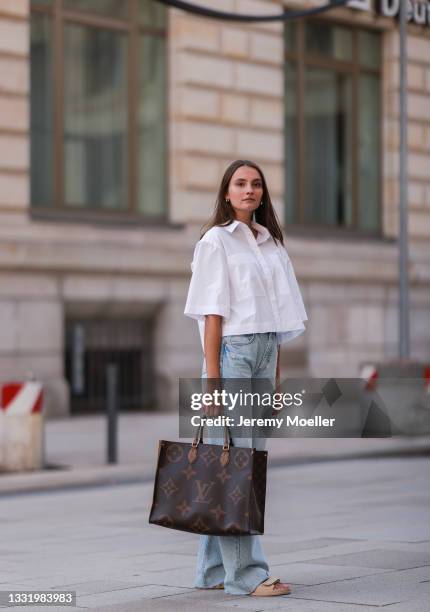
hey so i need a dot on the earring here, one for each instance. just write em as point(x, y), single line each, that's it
point(261, 203)
point(227, 200)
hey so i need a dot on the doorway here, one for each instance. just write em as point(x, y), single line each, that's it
point(92, 344)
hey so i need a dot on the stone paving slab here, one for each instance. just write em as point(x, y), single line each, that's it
point(180, 577)
point(194, 600)
point(417, 604)
point(134, 594)
point(307, 573)
point(378, 590)
point(98, 541)
point(159, 562)
point(313, 555)
point(42, 609)
point(91, 587)
point(285, 603)
point(390, 531)
point(383, 559)
point(292, 604)
point(278, 543)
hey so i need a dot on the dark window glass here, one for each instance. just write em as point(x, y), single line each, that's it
point(290, 36)
point(291, 165)
point(369, 49)
point(41, 2)
point(95, 118)
point(332, 140)
point(152, 14)
point(113, 8)
point(152, 127)
point(328, 126)
point(368, 152)
point(108, 103)
point(332, 41)
point(41, 115)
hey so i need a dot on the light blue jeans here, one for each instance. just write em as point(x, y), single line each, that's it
point(238, 561)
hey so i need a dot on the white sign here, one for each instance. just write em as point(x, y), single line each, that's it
point(363, 5)
point(417, 12)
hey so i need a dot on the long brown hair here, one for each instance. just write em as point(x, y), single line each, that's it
point(224, 212)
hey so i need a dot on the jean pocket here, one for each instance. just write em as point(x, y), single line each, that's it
point(241, 339)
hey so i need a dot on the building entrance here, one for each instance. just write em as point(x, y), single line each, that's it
point(92, 344)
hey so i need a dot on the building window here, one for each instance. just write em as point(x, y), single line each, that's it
point(98, 107)
point(332, 126)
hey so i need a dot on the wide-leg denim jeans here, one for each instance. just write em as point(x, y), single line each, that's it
point(238, 561)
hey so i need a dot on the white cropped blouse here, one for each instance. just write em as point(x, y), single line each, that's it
point(248, 281)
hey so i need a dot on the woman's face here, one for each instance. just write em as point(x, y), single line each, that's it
point(245, 190)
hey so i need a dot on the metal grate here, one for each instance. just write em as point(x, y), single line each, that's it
point(91, 344)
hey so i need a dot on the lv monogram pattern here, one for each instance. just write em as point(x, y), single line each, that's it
point(206, 496)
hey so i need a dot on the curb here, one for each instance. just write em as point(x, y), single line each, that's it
point(61, 478)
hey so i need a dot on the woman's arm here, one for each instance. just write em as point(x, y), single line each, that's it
point(212, 342)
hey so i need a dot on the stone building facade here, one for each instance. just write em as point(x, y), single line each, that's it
point(225, 100)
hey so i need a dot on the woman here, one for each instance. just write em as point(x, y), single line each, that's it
point(245, 297)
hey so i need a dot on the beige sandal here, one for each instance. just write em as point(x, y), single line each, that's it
point(268, 589)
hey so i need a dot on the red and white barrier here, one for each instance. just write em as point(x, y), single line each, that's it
point(21, 426)
point(427, 378)
point(370, 374)
point(21, 398)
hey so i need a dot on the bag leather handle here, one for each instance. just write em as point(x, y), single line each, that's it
point(198, 438)
point(225, 455)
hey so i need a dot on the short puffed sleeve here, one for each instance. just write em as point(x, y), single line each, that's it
point(294, 287)
point(208, 292)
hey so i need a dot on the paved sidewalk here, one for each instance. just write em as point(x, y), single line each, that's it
point(349, 536)
point(75, 451)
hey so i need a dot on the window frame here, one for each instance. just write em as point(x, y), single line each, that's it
point(130, 26)
point(301, 59)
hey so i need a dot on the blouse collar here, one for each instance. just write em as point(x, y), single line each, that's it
point(263, 232)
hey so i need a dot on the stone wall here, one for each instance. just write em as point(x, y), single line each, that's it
point(418, 102)
point(14, 107)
